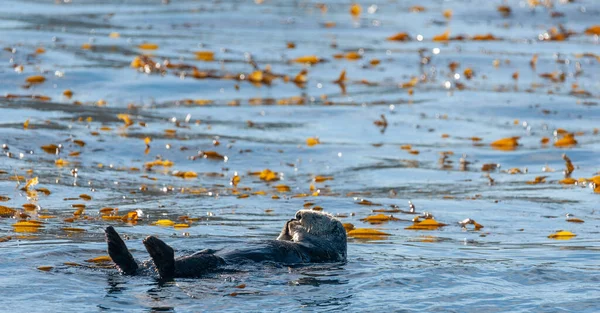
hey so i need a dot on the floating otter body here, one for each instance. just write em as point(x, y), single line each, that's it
point(310, 237)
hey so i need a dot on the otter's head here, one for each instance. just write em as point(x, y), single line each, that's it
point(317, 228)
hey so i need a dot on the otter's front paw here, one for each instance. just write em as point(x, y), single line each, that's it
point(285, 232)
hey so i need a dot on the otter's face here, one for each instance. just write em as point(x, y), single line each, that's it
point(315, 224)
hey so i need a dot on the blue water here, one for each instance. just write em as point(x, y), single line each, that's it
point(508, 266)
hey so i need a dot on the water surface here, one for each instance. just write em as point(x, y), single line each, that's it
point(510, 265)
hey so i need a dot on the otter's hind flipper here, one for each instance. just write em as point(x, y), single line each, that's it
point(162, 255)
point(119, 253)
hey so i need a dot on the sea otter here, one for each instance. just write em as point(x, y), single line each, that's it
point(310, 237)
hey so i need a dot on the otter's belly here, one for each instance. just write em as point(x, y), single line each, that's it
point(271, 251)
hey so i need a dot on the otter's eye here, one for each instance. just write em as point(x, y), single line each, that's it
point(298, 216)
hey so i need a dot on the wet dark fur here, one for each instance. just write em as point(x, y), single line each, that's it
point(311, 237)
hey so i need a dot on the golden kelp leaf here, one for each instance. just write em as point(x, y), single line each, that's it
point(27, 227)
point(447, 14)
point(72, 264)
point(78, 142)
point(537, 180)
point(320, 179)
point(399, 37)
point(61, 162)
point(374, 62)
point(562, 235)
point(282, 188)
point(235, 180)
point(595, 180)
point(267, 175)
point(468, 72)
point(312, 141)
point(428, 224)
point(545, 140)
point(367, 233)
point(45, 268)
point(299, 79)
point(112, 217)
point(163, 163)
point(486, 37)
point(73, 229)
point(355, 9)
point(130, 217)
point(406, 147)
point(329, 24)
point(35, 79)
point(85, 197)
point(185, 174)
point(26, 124)
point(74, 153)
point(442, 37)
point(182, 225)
point(125, 118)
point(256, 76)
point(40, 50)
point(353, 55)
point(506, 144)
point(4, 198)
point(5, 239)
point(6, 211)
point(312, 59)
point(569, 165)
point(46, 216)
point(243, 196)
point(593, 30)
point(137, 62)
point(32, 182)
point(107, 210)
point(45, 191)
point(164, 222)
point(16, 177)
point(348, 226)
point(213, 155)
point(114, 35)
point(575, 220)
point(86, 46)
point(52, 148)
point(514, 170)
point(148, 46)
point(206, 56)
point(567, 181)
point(379, 218)
point(29, 207)
point(567, 141)
point(79, 211)
point(504, 10)
point(100, 259)
point(366, 202)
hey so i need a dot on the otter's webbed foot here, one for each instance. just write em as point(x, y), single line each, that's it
point(118, 252)
point(162, 255)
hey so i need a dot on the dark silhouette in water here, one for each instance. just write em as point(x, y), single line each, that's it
point(310, 237)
